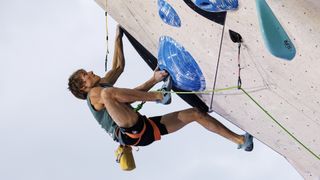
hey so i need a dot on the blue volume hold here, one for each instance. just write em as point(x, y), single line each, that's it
point(274, 35)
point(168, 14)
point(184, 70)
point(216, 5)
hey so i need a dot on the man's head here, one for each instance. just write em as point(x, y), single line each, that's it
point(81, 82)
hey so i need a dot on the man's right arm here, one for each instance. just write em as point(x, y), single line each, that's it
point(118, 62)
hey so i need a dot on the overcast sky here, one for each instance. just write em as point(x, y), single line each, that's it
point(46, 133)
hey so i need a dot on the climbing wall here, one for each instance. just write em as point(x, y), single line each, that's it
point(280, 100)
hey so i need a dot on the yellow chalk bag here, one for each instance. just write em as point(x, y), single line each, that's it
point(125, 158)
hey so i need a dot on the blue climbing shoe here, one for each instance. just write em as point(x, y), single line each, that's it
point(167, 85)
point(248, 143)
point(165, 89)
point(166, 97)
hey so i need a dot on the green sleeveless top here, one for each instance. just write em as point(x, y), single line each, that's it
point(104, 119)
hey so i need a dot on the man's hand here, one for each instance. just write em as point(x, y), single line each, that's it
point(119, 31)
point(159, 75)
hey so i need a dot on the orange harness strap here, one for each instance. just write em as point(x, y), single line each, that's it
point(137, 136)
point(156, 132)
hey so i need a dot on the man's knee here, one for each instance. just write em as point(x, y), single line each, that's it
point(199, 114)
point(108, 93)
point(193, 114)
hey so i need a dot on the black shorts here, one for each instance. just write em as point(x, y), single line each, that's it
point(147, 137)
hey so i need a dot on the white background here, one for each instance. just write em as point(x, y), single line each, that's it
point(46, 133)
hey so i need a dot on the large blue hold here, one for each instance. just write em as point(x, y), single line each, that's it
point(216, 5)
point(275, 37)
point(168, 14)
point(185, 72)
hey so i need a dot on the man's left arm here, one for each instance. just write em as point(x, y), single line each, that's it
point(157, 77)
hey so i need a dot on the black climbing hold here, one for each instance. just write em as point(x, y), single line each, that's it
point(235, 37)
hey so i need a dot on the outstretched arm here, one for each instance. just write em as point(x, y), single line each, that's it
point(118, 61)
point(157, 77)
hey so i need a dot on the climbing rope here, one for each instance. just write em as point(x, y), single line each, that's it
point(263, 109)
point(107, 43)
point(200, 92)
point(239, 86)
point(139, 106)
point(282, 127)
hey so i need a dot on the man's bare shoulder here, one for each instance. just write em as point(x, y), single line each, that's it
point(95, 98)
point(96, 91)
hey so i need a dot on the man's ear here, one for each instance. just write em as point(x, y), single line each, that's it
point(84, 88)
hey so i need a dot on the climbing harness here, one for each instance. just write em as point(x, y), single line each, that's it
point(123, 153)
point(137, 136)
point(156, 131)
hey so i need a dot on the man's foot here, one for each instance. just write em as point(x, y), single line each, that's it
point(248, 143)
point(167, 85)
point(166, 97)
point(165, 89)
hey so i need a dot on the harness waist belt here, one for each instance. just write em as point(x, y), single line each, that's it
point(156, 132)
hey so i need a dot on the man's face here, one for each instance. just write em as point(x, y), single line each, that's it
point(89, 79)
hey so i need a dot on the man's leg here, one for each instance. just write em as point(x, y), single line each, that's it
point(176, 120)
point(115, 101)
